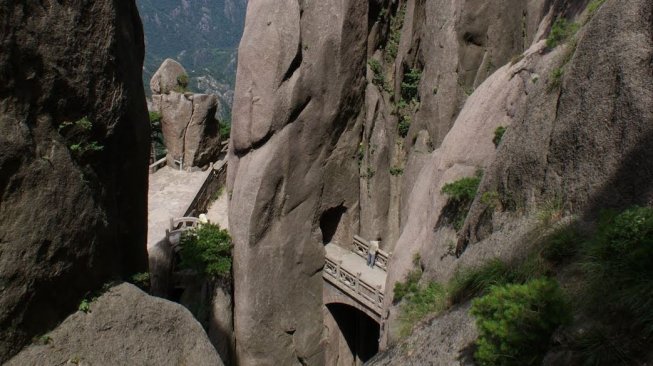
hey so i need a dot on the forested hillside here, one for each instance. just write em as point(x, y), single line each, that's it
point(203, 35)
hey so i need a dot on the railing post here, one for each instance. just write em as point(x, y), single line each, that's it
point(338, 271)
point(358, 282)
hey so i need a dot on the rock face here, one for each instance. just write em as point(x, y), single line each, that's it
point(296, 128)
point(190, 131)
point(124, 326)
point(591, 148)
point(444, 340)
point(312, 161)
point(169, 77)
point(583, 143)
point(74, 141)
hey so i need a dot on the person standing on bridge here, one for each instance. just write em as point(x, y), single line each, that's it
point(371, 252)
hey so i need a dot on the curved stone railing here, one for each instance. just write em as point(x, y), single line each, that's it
point(177, 226)
point(353, 285)
point(361, 247)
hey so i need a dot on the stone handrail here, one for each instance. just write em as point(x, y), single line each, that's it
point(361, 246)
point(157, 165)
point(177, 226)
point(354, 285)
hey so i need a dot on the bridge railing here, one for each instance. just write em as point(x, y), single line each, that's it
point(354, 283)
point(177, 226)
point(362, 246)
point(157, 165)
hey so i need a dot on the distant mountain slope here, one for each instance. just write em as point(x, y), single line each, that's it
point(203, 35)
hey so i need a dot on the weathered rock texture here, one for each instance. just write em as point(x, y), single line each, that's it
point(124, 326)
point(445, 340)
point(72, 195)
point(190, 129)
point(168, 77)
point(312, 161)
point(210, 300)
point(584, 143)
point(296, 128)
point(587, 145)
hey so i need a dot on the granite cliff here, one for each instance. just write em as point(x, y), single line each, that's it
point(352, 122)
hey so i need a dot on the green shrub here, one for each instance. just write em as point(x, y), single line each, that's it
point(404, 126)
point(410, 84)
point(369, 173)
point(42, 340)
point(461, 194)
point(155, 117)
point(515, 322)
point(409, 286)
point(562, 245)
point(475, 281)
point(207, 249)
point(462, 190)
point(560, 32)
point(84, 306)
point(84, 123)
point(555, 78)
point(419, 303)
point(396, 23)
point(142, 280)
point(396, 171)
point(225, 130)
point(377, 70)
point(593, 6)
point(498, 135)
point(83, 147)
point(491, 198)
point(182, 80)
point(618, 263)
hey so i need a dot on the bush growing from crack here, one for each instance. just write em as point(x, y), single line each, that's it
point(498, 135)
point(461, 193)
point(207, 250)
point(515, 322)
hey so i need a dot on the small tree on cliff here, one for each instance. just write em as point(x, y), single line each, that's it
point(207, 249)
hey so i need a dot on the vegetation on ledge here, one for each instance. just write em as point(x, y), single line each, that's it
point(207, 250)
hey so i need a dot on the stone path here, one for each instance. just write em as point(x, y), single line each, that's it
point(170, 193)
point(218, 211)
point(355, 264)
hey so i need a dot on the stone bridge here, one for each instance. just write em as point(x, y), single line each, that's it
point(348, 279)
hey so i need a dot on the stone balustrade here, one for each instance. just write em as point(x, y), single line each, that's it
point(361, 247)
point(353, 285)
point(177, 226)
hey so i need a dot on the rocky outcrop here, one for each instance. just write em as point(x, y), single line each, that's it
point(467, 149)
point(445, 340)
point(296, 128)
point(190, 130)
point(590, 149)
point(73, 131)
point(170, 76)
point(582, 143)
point(481, 65)
point(124, 326)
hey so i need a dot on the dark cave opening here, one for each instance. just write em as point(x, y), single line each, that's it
point(329, 222)
point(359, 330)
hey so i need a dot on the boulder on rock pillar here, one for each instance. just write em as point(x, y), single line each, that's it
point(170, 76)
point(190, 129)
